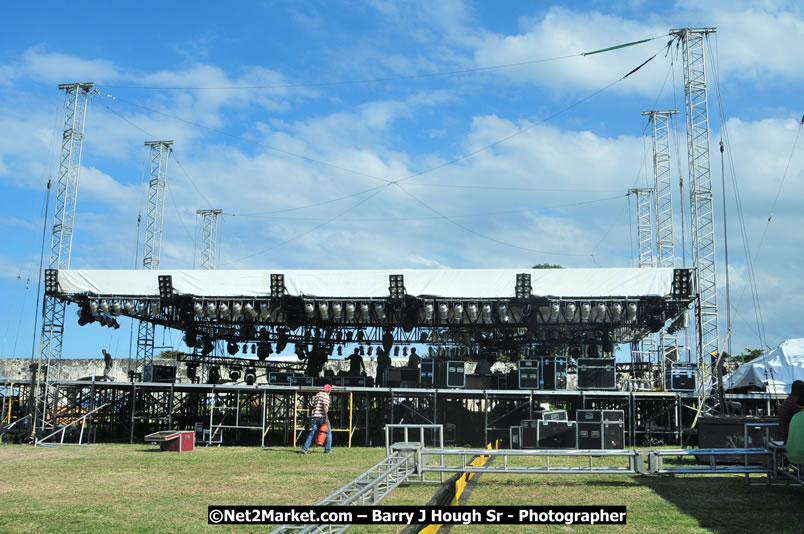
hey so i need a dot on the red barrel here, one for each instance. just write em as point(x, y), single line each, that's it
point(322, 434)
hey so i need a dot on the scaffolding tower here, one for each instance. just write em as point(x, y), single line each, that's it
point(209, 237)
point(701, 202)
point(646, 349)
point(77, 97)
point(160, 150)
point(665, 243)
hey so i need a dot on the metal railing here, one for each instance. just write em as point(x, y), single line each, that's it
point(63, 430)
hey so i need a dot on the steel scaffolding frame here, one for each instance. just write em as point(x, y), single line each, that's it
point(647, 349)
point(77, 97)
point(209, 237)
point(154, 216)
point(701, 203)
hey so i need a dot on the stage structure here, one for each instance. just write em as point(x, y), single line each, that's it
point(77, 97)
point(535, 312)
point(154, 216)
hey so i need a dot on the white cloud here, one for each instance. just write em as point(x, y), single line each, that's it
point(54, 67)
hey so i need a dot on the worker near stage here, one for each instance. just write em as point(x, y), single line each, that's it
point(320, 416)
point(790, 406)
point(356, 364)
point(107, 366)
point(383, 363)
point(795, 439)
point(413, 360)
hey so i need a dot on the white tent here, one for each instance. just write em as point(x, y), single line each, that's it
point(774, 371)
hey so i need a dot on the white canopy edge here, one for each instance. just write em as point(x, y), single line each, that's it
point(443, 283)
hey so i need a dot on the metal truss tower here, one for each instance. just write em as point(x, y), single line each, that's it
point(701, 202)
point(647, 348)
point(665, 243)
point(160, 150)
point(77, 96)
point(209, 237)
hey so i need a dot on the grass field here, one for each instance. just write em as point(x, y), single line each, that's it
point(133, 488)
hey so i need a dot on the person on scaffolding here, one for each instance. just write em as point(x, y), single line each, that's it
point(320, 417)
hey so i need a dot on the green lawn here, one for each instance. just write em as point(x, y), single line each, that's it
point(132, 488)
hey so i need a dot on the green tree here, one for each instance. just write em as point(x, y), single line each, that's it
point(747, 355)
point(547, 266)
point(170, 355)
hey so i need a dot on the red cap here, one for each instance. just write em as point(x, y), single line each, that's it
point(327, 387)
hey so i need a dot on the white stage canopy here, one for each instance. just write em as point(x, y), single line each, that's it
point(439, 283)
point(775, 370)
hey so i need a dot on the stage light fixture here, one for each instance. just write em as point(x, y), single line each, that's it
point(245, 348)
point(129, 307)
point(396, 351)
point(487, 313)
point(208, 348)
point(404, 351)
point(232, 348)
point(502, 313)
point(443, 312)
point(555, 310)
point(265, 311)
point(350, 311)
point(396, 286)
point(523, 286)
point(323, 311)
point(364, 312)
point(93, 308)
point(251, 376)
point(282, 340)
point(586, 310)
point(51, 281)
point(192, 371)
point(471, 309)
point(370, 351)
point(569, 311)
point(237, 311)
point(84, 316)
point(632, 311)
point(198, 309)
point(116, 308)
point(600, 315)
point(277, 286)
point(223, 310)
point(234, 374)
point(337, 311)
point(682, 283)
point(360, 336)
point(212, 310)
point(165, 286)
point(104, 307)
point(457, 311)
point(309, 310)
point(616, 311)
point(428, 312)
point(214, 375)
point(388, 341)
point(423, 337)
point(362, 351)
point(248, 309)
point(379, 309)
point(350, 336)
point(340, 350)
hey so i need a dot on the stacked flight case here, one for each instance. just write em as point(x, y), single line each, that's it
point(601, 429)
point(681, 377)
point(548, 373)
point(551, 431)
point(597, 374)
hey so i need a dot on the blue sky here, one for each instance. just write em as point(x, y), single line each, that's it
point(361, 102)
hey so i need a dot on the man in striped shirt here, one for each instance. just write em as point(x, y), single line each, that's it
point(320, 408)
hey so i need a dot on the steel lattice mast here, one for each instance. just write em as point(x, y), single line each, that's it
point(646, 348)
point(665, 243)
point(701, 203)
point(77, 96)
point(209, 237)
point(160, 150)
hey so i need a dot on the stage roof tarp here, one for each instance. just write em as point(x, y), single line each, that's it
point(439, 283)
point(774, 370)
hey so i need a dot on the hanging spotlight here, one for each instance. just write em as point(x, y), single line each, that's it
point(265, 311)
point(616, 311)
point(502, 312)
point(248, 308)
point(370, 351)
point(245, 348)
point(682, 283)
point(250, 376)
point(362, 351)
point(601, 312)
point(423, 337)
point(198, 309)
point(340, 350)
point(486, 313)
point(211, 310)
point(472, 310)
point(379, 309)
point(569, 311)
point(93, 308)
point(404, 351)
point(237, 311)
point(458, 312)
point(350, 311)
point(396, 351)
point(337, 311)
point(586, 310)
point(388, 341)
point(428, 312)
point(364, 312)
point(129, 307)
point(282, 340)
point(234, 374)
point(116, 309)
point(632, 311)
point(223, 310)
point(165, 286)
point(232, 348)
point(51, 281)
point(443, 312)
point(214, 375)
point(104, 307)
point(555, 310)
point(192, 371)
point(209, 347)
point(349, 336)
point(84, 316)
point(309, 310)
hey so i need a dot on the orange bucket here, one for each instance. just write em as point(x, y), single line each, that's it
point(322, 434)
